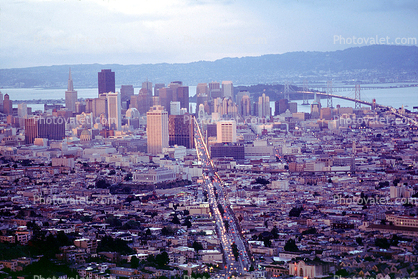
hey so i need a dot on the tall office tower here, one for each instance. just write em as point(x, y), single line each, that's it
point(142, 101)
point(50, 127)
point(7, 105)
point(80, 107)
point(106, 79)
point(228, 89)
point(281, 106)
point(97, 106)
point(245, 106)
point(1, 102)
point(126, 91)
point(240, 94)
point(70, 95)
point(114, 116)
point(214, 90)
point(264, 106)
point(315, 107)
point(175, 108)
point(147, 86)
point(174, 85)
point(201, 99)
point(226, 131)
point(22, 110)
point(157, 87)
point(166, 96)
point(157, 130)
point(180, 129)
point(183, 96)
point(202, 88)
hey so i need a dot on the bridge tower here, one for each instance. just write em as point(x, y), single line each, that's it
point(357, 96)
point(305, 95)
point(329, 91)
point(287, 91)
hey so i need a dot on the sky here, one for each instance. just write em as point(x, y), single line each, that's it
point(56, 32)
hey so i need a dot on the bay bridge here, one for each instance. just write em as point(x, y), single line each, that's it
point(357, 100)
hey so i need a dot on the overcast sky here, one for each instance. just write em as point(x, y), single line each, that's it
point(40, 32)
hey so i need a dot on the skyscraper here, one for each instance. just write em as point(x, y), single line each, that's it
point(157, 87)
point(183, 96)
point(166, 96)
point(7, 105)
point(226, 131)
point(114, 111)
point(228, 89)
point(126, 91)
point(70, 95)
point(214, 90)
point(49, 127)
point(180, 129)
point(106, 79)
point(245, 106)
point(264, 106)
point(1, 102)
point(157, 130)
point(146, 85)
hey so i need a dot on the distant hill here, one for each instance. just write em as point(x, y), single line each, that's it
point(368, 62)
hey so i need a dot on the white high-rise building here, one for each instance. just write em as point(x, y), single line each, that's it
point(157, 130)
point(22, 110)
point(70, 95)
point(228, 89)
point(114, 116)
point(226, 131)
point(175, 108)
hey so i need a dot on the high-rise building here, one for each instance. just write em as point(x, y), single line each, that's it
point(228, 89)
point(126, 91)
point(97, 106)
point(70, 95)
point(148, 87)
point(245, 106)
point(264, 106)
point(180, 129)
point(142, 101)
point(280, 106)
point(214, 90)
point(226, 131)
point(157, 130)
point(106, 80)
point(114, 116)
point(166, 96)
point(183, 96)
point(175, 108)
point(240, 94)
point(202, 88)
point(22, 110)
point(1, 102)
point(50, 127)
point(7, 105)
point(157, 87)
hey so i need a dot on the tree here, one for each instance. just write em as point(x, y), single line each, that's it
point(175, 220)
point(162, 259)
point(134, 262)
point(295, 211)
point(226, 225)
point(197, 246)
point(359, 241)
point(291, 246)
point(187, 222)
